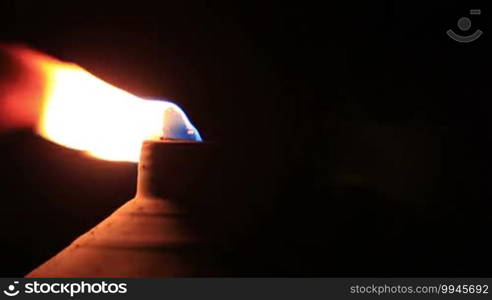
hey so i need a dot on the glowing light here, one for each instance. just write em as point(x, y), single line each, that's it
point(81, 111)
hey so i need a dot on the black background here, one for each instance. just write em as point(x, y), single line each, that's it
point(355, 136)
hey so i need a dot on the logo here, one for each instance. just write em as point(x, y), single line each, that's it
point(68, 288)
point(464, 24)
point(11, 291)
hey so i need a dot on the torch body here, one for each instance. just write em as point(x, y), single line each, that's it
point(156, 234)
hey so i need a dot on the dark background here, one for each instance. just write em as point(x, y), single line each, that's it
point(355, 136)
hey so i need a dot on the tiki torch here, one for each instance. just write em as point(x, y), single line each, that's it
point(159, 233)
point(156, 234)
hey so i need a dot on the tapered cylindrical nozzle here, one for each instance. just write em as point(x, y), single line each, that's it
point(154, 234)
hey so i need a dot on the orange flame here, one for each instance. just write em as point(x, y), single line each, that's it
point(80, 111)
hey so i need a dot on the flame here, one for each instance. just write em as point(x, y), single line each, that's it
point(80, 111)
